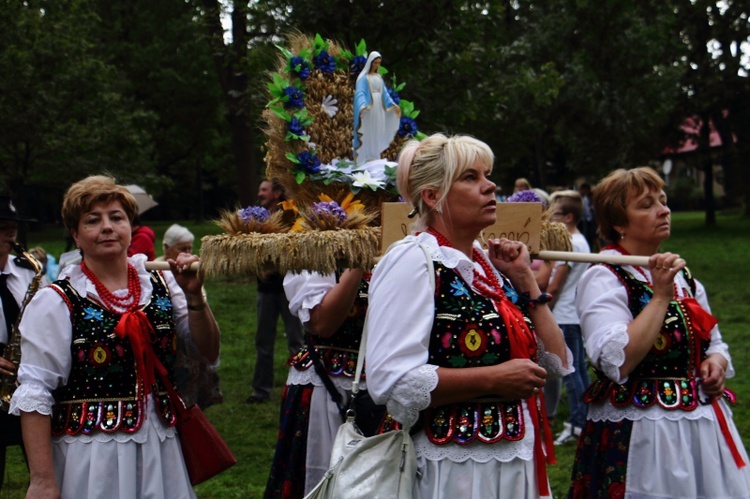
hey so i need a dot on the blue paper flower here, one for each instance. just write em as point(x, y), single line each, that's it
point(524, 197)
point(394, 95)
point(254, 213)
point(300, 67)
point(296, 127)
point(407, 128)
point(309, 162)
point(357, 65)
point(296, 97)
point(325, 62)
point(329, 208)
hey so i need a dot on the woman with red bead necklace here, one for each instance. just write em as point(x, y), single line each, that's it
point(463, 362)
point(95, 417)
point(657, 423)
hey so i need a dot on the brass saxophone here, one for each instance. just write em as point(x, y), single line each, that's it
point(8, 383)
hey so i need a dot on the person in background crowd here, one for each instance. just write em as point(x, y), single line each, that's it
point(587, 225)
point(272, 303)
point(142, 240)
point(658, 424)
point(91, 344)
point(14, 282)
point(468, 357)
point(332, 309)
point(176, 239)
point(521, 184)
point(566, 207)
point(196, 378)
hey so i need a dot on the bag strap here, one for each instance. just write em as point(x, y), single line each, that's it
point(320, 370)
point(363, 341)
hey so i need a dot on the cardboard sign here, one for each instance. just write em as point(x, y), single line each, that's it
point(515, 221)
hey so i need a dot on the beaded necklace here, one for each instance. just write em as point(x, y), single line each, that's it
point(641, 271)
point(128, 302)
point(487, 284)
point(522, 340)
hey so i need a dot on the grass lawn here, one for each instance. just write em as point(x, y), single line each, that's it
point(714, 255)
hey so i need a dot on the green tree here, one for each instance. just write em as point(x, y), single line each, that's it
point(164, 64)
point(63, 115)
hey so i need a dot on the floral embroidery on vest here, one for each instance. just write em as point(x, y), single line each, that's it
point(339, 352)
point(468, 332)
point(102, 389)
point(666, 376)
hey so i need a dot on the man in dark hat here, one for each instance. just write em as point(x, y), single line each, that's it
point(14, 281)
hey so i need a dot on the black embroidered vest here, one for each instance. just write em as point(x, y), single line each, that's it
point(666, 376)
point(468, 332)
point(102, 389)
point(339, 352)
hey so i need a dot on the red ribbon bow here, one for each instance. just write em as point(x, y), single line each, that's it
point(136, 326)
point(703, 322)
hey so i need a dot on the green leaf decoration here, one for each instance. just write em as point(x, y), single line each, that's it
point(345, 54)
point(319, 44)
point(299, 177)
point(397, 87)
point(361, 48)
point(293, 158)
point(279, 111)
point(287, 53)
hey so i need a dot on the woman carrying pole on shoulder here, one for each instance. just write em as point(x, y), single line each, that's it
point(658, 424)
point(466, 361)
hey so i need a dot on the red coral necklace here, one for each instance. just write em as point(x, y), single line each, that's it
point(115, 303)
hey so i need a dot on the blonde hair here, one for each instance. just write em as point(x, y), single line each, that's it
point(82, 195)
point(436, 162)
point(570, 201)
point(612, 194)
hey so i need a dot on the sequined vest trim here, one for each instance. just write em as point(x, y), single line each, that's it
point(666, 376)
point(468, 332)
point(102, 389)
point(340, 351)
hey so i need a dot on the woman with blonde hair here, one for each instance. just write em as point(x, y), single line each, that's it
point(95, 417)
point(463, 363)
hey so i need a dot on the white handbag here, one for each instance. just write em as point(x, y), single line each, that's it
point(381, 466)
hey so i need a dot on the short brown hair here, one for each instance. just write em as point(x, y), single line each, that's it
point(612, 194)
point(82, 195)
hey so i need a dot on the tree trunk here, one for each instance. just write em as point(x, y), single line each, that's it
point(234, 82)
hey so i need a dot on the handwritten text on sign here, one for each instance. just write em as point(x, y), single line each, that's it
point(515, 221)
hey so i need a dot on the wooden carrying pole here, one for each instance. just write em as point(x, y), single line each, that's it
point(569, 256)
point(165, 266)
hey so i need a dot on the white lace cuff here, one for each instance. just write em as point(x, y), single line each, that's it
point(613, 353)
point(411, 394)
point(31, 397)
point(553, 364)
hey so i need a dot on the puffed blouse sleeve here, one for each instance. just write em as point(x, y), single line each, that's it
point(399, 321)
point(46, 334)
point(305, 291)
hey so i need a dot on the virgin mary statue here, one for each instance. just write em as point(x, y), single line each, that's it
point(376, 116)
